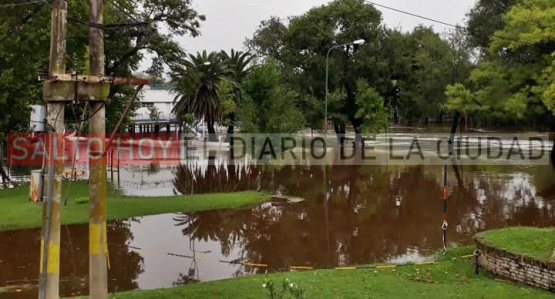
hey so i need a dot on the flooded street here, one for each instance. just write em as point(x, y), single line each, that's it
point(352, 215)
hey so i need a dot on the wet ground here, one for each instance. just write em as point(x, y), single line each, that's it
point(352, 215)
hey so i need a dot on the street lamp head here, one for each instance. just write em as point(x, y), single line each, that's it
point(359, 42)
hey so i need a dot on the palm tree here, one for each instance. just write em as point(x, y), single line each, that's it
point(196, 88)
point(238, 64)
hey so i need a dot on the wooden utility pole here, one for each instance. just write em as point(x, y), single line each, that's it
point(50, 237)
point(98, 272)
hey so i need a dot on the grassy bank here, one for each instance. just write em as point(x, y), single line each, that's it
point(17, 212)
point(529, 241)
point(449, 278)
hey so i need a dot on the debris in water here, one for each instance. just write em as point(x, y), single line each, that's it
point(284, 199)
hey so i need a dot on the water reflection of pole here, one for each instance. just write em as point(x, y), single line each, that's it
point(193, 268)
point(326, 211)
point(142, 175)
point(451, 151)
point(112, 166)
point(444, 224)
point(397, 195)
point(119, 170)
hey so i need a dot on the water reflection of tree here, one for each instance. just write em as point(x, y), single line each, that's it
point(153, 168)
point(364, 223)
point(20, 259)
point(499, 199)
point(196, 179)
point(361, 220)
point(224, 226)
point(125, 264)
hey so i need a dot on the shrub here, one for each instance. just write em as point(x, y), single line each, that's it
point(81, 200)
point(287, 287)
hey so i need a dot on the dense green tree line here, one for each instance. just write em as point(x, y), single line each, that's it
point(419, 75)
point(409, 70)
point(512, 82)
point(498, 70)
point(405, 72)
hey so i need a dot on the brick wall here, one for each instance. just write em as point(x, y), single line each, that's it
point(531, 271)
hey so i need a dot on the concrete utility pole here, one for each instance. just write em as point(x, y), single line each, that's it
point(98, 272)
point(50, 237)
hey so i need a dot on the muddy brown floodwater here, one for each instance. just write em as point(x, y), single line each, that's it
point(352, 215)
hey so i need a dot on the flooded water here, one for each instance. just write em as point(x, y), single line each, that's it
point(352, 215)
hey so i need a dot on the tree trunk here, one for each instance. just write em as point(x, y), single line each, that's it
point(211, 131)
point(358, 137)
point(553, 153)
point(340, 133)
point(357, 123)
point(230, 131)
point(232, 180)
point(466, 123)
point(5, 177)
point(456, 118)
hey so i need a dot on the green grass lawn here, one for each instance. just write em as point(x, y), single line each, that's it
point(446, 279)
point(529, 241)
point(17, 212)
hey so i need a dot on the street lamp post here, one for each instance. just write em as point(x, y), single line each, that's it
point(326, 191)
point(356, 42)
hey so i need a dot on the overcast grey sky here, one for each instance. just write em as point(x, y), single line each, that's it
point(229, 22)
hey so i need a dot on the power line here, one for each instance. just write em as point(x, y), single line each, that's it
point(465, 29)
point(85, 119)
point(100, 26)
point(415, 15)
point(15, 4)
point(123, 10)
point(108, 26)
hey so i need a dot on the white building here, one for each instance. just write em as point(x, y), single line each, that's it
point(144, 122)
point(161, 99)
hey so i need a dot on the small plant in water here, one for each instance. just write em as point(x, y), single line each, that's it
point(81, 200)
point(287, 290)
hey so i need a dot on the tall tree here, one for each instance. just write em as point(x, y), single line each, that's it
point(372, 111)
point(238, 64)
point(268, 40)
point(267, 106)
point(301, 49)
point(516, 79)
point(461, 100)
point(484, 19)
point(433, 67)
point(410, 70)
point(196, 88)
